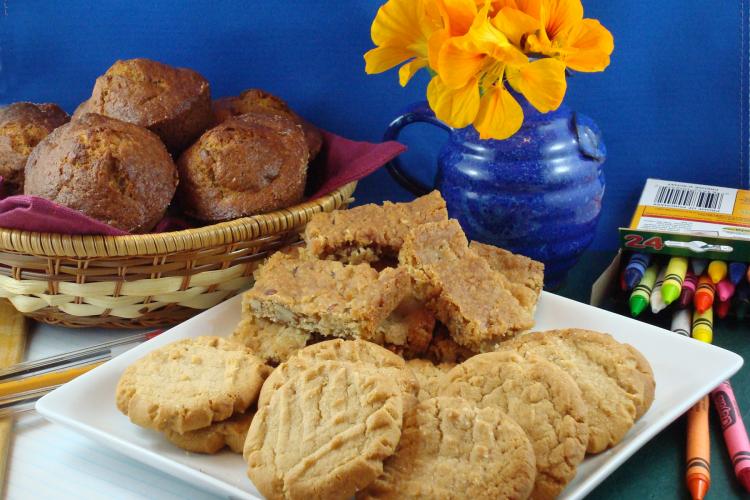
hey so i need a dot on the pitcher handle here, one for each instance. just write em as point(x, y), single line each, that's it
point(417, 112)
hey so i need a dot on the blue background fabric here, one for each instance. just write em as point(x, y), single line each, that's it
point(673, 104)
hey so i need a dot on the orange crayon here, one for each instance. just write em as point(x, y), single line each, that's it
point(704, 294)
point(698, 475)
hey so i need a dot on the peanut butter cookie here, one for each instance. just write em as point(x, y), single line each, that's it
point(357, 352)
point(451, 449)
point(429, 375)
point(543, 399)
point(324, 432)
point(190, 384)
point(616, 381)
point(229, 433)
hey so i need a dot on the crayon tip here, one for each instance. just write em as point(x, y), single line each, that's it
point(698, 487)
point(637, 305)
point(632, 277)
point(744, 477)
point(702, 303)
point(669, 293)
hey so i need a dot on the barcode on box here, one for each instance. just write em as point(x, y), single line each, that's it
point(688, 198)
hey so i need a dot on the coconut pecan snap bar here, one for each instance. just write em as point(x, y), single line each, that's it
point(326, 297)
point(461, 288)
point(370, 233)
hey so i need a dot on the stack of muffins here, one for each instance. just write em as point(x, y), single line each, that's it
point(149, 134)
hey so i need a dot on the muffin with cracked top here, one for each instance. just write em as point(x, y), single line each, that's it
point(174, 103)
point(110, 170)
point(262, 102)
point(22, 126)
point(249, 164)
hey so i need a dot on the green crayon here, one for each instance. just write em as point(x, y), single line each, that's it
point(675, 275)
point(641, 295)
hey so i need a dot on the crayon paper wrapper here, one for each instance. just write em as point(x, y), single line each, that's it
point(682, 207)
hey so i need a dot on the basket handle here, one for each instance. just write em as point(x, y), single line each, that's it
point(417, 112)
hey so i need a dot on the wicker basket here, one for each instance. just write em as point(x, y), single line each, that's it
point(147, 280)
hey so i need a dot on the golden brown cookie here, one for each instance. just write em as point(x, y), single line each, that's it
point(22, 126)
point(247, 165)
point(271, 342)
point(190, 384)
point(229, 433)
point(260, 101)
point(357, 352)
point(429, 375)
point(616, 382)
point(324, 432)
point(174, 103)
point(110, 170)
point(451, 449)
point(543, 399)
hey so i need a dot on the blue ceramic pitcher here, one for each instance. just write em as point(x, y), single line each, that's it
point(538, 193)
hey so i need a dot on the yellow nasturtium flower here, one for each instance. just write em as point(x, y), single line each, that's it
point(561, 32)
point(476, 48)
point(470, 86)
point(457, 16)
point(401, 31)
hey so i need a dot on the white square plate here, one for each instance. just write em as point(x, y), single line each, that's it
point(685, 370)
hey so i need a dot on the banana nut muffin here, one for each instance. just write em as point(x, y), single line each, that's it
point(113, 171)
point(247, 165)
point(262, 102)
point(174, 103)
point(22, 126)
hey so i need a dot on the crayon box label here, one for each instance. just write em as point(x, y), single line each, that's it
point(690, 220)
point(725, 409)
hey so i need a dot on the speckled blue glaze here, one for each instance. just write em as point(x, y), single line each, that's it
point(537, 193)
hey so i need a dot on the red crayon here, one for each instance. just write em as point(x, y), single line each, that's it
point(721, 308)
point(704, 294)
point(735, 434)
point(623, 283)
point(689, 285)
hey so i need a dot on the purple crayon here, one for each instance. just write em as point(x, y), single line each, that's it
point(737, 271)
point(689, 285)
point(724, 290)
point(636, 267)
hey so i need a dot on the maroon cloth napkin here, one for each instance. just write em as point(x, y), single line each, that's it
point(340, 162)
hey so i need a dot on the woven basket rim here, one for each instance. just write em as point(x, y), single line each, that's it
point(91, 246)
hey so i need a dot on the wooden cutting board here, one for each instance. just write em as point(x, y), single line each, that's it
point(13, 327)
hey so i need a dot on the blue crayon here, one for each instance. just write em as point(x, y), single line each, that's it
point(635, 269)
point(698, 265)
point(737, 271)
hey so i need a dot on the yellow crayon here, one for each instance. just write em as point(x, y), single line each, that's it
point(703, 325)
point(717, 270)
point(673, 278)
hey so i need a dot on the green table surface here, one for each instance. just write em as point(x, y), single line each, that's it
point(658, 469)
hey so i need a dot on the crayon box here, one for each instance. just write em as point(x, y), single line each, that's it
point(683, 219)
